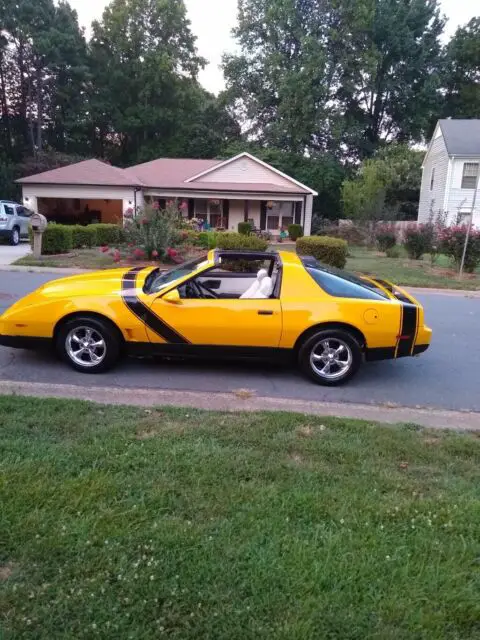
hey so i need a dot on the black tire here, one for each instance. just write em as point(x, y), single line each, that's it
point(108, 354)
point(350, 356)
point(15, 236)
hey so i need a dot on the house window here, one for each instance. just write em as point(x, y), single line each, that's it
point(210, 211)
point(273, 222)
point(470, 175)
point(432, 179)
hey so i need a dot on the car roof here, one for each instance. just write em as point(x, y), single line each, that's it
point(9, 202)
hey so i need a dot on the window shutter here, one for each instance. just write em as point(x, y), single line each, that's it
point(298, 213)
point(191, 208)
point(226, 213)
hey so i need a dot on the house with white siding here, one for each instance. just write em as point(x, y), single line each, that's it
point(221, 193)
point(451, 171)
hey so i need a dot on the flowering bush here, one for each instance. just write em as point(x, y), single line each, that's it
point(385, 237)
point(154, 233)
point(419, 239)
point(452, 244)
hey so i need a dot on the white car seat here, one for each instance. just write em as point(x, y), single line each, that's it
point(254, 291)
point(266, 288)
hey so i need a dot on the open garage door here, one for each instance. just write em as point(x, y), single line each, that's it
point(81, 211)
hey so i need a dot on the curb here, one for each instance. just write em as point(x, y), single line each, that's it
point(54, 270)
point(246, 400)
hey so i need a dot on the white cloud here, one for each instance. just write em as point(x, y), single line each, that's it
point(213, 20)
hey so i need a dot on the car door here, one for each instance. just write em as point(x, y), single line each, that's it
point(217, 322)
point(23, 218)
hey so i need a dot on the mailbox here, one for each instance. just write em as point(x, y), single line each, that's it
point(38, 222)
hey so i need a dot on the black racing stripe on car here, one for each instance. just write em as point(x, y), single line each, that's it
point(143, 313)
point(409, 330)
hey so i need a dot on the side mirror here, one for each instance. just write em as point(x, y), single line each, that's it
point(173, 297)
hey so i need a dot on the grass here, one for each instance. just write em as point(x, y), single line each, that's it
point(130, 523)
point(78, 259)
point(402, 271)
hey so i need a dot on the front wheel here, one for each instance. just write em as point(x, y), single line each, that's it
point(88, 345)
point(330, 357)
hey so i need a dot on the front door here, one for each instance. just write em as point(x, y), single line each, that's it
point(219, 322)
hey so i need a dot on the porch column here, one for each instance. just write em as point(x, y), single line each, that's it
point(307, 219)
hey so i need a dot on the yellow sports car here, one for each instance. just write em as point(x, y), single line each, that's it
point(227, 304)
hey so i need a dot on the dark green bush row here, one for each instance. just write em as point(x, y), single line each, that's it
point(57, 238)
point(240, 242)
point(331, 251)
point(62, 238)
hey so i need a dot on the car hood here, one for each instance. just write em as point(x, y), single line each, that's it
point(105, 282)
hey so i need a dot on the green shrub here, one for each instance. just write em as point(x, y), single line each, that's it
point(453, 243)
point(57, 238)
point(295, 231)
point(108, 234)
point(84, 237)
point(191, 237)
point(331, 251)
point(385, 237)
point(241, 242)
point(208, 239)
point(393, 252)
point(245, 228)
point(154, 233)
point(352, 234)
point(418, 240)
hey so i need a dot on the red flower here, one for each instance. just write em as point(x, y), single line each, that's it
point(172, 253)
point(145, 221)
point(139, 253)
point(156, 205)
point(104, 249)
point(154, 253)
point(184, 206)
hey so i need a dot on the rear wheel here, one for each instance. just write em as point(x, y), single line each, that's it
point(89, 345)
point(15, 236)
point(330, 357)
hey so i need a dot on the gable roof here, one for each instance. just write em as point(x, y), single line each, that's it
point(462, 137)
point(302, 188)
point(87, 172)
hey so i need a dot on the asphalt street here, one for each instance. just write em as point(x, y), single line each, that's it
point(446, 377)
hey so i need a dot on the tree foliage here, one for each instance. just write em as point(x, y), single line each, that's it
point(385, 187)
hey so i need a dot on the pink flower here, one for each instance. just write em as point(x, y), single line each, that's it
point(145, 221)
point(139, 253)
point(184, 206)
point(169, 203)
point(172, 253)
point(104, 249)
point(154, 253)
point(156, 205)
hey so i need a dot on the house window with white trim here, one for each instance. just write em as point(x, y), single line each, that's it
point(279, 215)
point(432, 179)
point(209, 210)
point(470, 175)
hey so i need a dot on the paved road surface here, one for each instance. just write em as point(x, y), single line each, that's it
point(447, 376)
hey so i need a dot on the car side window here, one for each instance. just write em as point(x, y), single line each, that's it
point(22, 212)
point(340, 287)
point(10, 211)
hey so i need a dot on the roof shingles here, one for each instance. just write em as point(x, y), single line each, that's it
point(462, 137)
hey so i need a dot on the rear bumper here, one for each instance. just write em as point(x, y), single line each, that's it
point(388, 353)
point(24, 342)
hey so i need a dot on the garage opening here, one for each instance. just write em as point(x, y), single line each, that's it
point(81, 211)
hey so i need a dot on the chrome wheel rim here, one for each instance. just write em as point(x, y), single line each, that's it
point(86, 346)
point(331, 358)
point(16, 236)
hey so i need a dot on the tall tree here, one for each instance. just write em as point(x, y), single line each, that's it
point(338, 75)
point(462, 73)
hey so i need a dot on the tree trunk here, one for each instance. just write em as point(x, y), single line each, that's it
point(5, 112)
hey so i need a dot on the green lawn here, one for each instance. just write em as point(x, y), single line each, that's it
point(78, 259)
point(124, 523)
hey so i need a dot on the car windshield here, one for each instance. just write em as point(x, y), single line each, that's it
point(158, 280)
point(342, 284)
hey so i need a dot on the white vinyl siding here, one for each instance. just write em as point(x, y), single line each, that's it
point(460, 200)
point(436, 167)
point(246, 171)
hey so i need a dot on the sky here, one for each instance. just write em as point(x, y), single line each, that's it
point(213, 20)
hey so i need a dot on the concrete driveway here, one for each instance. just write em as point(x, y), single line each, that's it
point(446, 377)
point(9, 254)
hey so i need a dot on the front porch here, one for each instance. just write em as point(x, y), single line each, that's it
point(267, 215)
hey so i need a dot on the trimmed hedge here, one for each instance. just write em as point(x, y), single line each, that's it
point(241, 242)
point(57, 238)
point(331, 251)
point(107, 234)
point(208, 239)
point(84, 237)
point(295, 231)
point(245, 228)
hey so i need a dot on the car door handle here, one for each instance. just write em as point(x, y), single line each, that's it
point(265, 313)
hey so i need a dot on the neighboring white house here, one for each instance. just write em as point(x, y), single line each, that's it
point(450, 172)
point(222, 193)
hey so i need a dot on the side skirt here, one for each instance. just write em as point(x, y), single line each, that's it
point(206, 352)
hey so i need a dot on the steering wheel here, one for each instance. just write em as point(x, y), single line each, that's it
point(210, 294)
point(196, 290)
